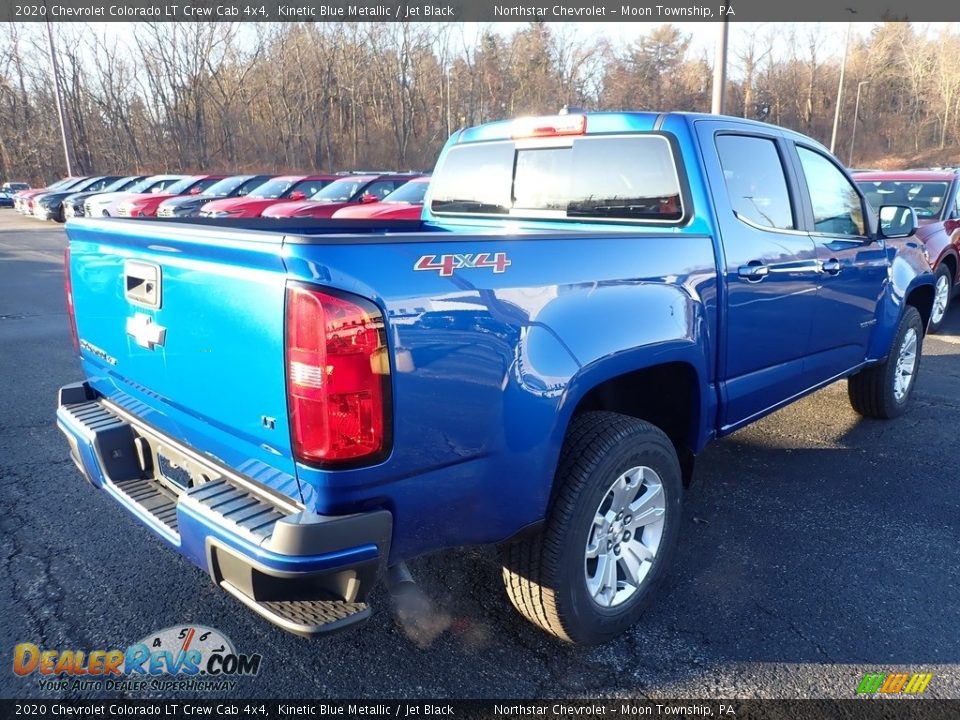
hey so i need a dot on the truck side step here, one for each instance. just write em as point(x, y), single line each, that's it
point(305, 617)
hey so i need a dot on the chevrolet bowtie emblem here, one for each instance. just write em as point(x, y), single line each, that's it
point(146, 332)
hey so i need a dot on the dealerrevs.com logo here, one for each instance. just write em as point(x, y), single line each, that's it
point(193, 658)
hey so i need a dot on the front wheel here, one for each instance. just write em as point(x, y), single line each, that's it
point(883, 391)
point(942, 290)
point(592, 570)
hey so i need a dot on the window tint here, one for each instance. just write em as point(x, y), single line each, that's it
point(617, 178)
point(224, 187)
point(381, 189)
point(411, 192)
point(251, 184)
point(837, 209)
point(755, 181)
point(926, 198)
point(204, 184)
point(310, 187)
point(98, 185)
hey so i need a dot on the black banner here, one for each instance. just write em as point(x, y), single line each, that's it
point(863, 709)
point(656, 11)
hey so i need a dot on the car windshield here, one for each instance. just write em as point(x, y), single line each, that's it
point(341, 190)
point(98, 185)
point(121, 184)
point(412, 192)
point(181, 186)
point(147, 184)
point(273, 189)
point(926, 198)
point(225, 186)
point(72, 183)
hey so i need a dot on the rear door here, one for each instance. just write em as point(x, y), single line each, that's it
point(770, 267)
point(182, 327)
point(854, 266)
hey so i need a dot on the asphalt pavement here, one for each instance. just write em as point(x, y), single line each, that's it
point(816, 546)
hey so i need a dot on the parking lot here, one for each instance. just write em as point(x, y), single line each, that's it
point(816, 546)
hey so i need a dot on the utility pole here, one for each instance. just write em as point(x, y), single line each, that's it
point(720, 71)
point(843, 69)
point(856, 113)
point(61, 110)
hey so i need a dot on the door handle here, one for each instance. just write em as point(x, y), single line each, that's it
point(753, 271)
point(831, 266)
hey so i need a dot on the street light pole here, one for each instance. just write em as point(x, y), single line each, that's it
point(720, 71)
point(856, 113)
point(843, 68)
point(65, 133)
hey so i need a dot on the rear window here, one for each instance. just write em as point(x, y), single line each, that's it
point(622, 178)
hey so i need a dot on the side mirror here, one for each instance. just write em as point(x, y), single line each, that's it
point(195, 191)
point(369, 198)
point(897, 221)
point(298, 195)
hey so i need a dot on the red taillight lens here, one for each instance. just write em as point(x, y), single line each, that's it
point(68, 288)
point(337, 376)
point(550, 126)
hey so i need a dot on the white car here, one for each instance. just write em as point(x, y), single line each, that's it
point(105, 204)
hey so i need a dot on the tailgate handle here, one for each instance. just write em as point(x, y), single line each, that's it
point(141, 283)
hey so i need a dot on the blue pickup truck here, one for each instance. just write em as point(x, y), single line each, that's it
point(299, 407)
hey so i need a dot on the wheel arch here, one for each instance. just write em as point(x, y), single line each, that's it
point(921, 298)
point(950, 260)
point(670, 394)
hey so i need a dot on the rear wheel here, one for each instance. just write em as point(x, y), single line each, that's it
point(942, 290)
point(883, 391)
point(592, 570)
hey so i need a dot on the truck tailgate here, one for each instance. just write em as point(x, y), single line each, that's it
point(184, 330)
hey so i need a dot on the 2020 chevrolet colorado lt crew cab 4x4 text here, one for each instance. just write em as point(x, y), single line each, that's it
point(295, 405)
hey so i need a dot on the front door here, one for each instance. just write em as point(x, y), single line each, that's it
point(854, 268)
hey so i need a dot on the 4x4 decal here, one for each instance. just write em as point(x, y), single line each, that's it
point(446, 264)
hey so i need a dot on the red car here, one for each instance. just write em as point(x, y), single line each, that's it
point(935, 198)
point(285, 187)
point(404, 203)
point(346, 190)
point(146, 204)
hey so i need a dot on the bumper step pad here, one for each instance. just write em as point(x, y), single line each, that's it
point(181, 494)
point(305, 617)
point(246, 513)
point(154, 499)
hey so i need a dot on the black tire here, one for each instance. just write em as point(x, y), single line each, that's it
point(872, 390)
point(545, 574)
point(943, 275)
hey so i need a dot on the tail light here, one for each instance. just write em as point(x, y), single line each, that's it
point(338, 376)
point(68, 289)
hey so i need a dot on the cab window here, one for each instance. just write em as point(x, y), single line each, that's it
point(837, 208)
point(756, 183)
